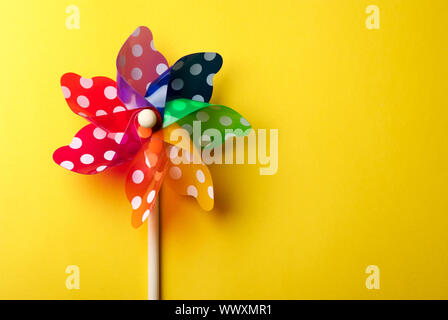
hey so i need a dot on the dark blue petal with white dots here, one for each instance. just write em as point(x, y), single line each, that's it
point(191, 77)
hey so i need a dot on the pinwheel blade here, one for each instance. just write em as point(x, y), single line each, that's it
point(145, 178)
point(214, 124)
point(191, 77)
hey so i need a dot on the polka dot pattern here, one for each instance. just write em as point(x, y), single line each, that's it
point(227, 121)
point(145, 80)
point(137, 176)
point(76, 143)
point(193, 180)
point(145, 177)
point(91, 151)
point(179, 108)
point(95, 99)
point(195, 72)
point(187, 177)
point(138, 62)
point(202, 116)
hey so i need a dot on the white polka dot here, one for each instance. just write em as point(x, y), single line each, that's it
point(195, 69)
point(100, 113)
point(136, 32)
point(137, 50)
point(174, 152)
point(145, 215)
point(200, 176)
point(66, 92)
point(192, 191)
point(119, 109)
point(86, 83)
point(210, 192)
point(225, 121)
point(209, 56)
point(76, 143)
point(121, 61)
point(210, 79)
point(152, 45)
point(179, 64)
point(198, 97)
point(138, 176)
point(161, 68)
point(202, 116)
point(101, 168)
point(188, 127)
point(67, 165)
point(244, 122)
point(136, 74)
point(82, 101)
point(118, 137)
point(99, 133)
point(151, 196)
point(177, 84)
point(108, 155)
point(175, 173)
point(136, 202)
point(87, 158)
point(110, 92)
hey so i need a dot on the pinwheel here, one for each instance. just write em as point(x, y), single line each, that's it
point(147, 116)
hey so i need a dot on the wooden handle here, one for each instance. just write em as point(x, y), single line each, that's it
point(153, 254)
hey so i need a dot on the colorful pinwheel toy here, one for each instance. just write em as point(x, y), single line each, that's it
point(136, 118)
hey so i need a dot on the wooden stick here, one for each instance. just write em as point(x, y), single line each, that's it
point(153, 254)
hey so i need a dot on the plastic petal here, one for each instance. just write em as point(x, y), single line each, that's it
point(188, 175)
point(191, 77)
point(189, 178)
point(91, 151)
point(96, 100)
point(138, 62)
point(156, 93)
point(145, 178)
point(180, 108)
point(220, 120)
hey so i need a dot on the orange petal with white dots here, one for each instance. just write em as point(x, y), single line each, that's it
point(145, 179)
point(193, 179)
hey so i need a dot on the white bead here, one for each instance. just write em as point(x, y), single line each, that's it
point(147, 118)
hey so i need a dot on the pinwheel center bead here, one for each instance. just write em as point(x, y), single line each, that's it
point(147, 118)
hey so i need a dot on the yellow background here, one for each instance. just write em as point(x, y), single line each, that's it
point(362, 179)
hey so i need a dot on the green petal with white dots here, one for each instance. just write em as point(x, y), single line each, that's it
point(180, 108)
point(217, 123)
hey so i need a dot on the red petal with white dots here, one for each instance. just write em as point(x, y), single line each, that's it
point(96, 100)
point(93, 150)
point(138, 62)
point(145, 178)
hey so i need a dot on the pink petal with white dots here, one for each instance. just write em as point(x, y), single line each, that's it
point(138, 62)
